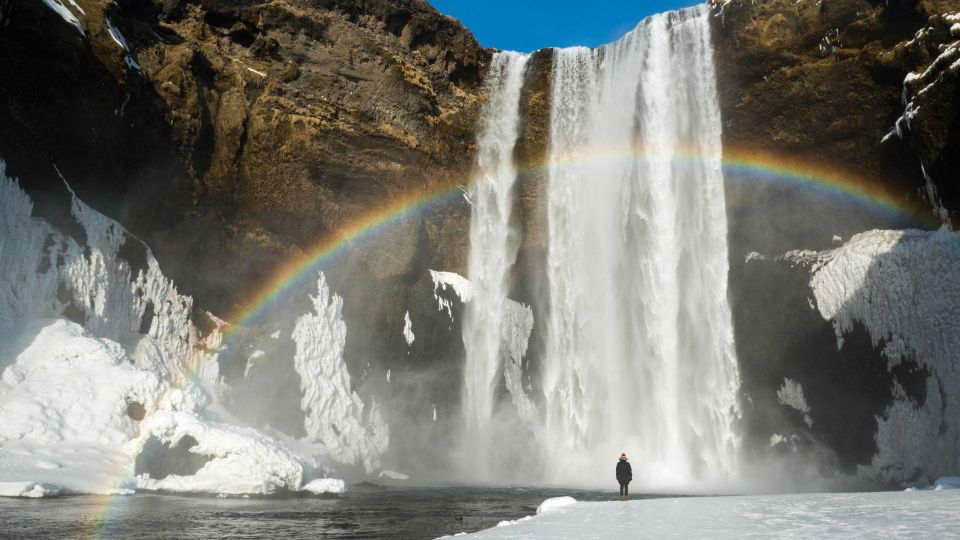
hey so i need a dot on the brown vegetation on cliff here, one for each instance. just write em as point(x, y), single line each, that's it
point(232, 136)
point(823, 82)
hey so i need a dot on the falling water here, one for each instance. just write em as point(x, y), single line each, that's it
point(493, 247)
point(640, 354)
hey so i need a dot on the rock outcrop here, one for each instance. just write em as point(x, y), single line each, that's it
point(232, 136)
point(837, 85)
point(865, 92)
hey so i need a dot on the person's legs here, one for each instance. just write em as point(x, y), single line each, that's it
point(626, 488)
point(623, 490)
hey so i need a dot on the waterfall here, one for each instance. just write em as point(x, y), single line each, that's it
point(493, 247)
point(640, 354)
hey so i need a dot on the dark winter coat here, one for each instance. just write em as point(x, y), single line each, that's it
point(624, 472)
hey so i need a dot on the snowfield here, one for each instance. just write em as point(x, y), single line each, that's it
point(915, 514)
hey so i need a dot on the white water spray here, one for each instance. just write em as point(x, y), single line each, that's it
point(640, 354)
point(493, 247)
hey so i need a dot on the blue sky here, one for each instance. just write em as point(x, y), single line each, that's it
point(528, 25)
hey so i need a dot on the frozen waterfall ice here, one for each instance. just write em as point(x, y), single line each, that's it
point(639, 352)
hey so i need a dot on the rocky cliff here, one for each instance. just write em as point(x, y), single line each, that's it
point(865, 93)
point(233, 135)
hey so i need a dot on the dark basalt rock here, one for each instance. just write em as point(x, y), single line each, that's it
point(159, 460)
point(823, 83)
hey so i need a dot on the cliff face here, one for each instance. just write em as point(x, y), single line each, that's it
point(824, 84)
point(234, 135)
point(864, 92)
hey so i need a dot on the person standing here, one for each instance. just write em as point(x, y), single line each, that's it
point(624, 475)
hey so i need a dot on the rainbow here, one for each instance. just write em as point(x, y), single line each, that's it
point(738, 165)
point(291, 276)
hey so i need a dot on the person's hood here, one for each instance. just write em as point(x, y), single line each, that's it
point(623, 459)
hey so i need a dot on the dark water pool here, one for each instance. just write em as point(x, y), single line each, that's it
point(365, 511)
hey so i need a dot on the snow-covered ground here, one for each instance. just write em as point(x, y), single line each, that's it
point(916, 514)
point(104, 372)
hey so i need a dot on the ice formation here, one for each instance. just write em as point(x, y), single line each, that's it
point(122, 43)
point(326, 485)
point(515, 335)
point(393, 475)
point(902, 287)
point(32, 490)
point(100, 359)
point(458, 284)
point(916, 85)
point(408, 335)
point(334, 413)
point(241, 460)
point(65, 13)
point(791, 395)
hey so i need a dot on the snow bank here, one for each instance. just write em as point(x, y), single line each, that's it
point(549, 505)
point(33, 490)
point(923, 514)
point(100, 362)
point(555, 503)
point(321, 486)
